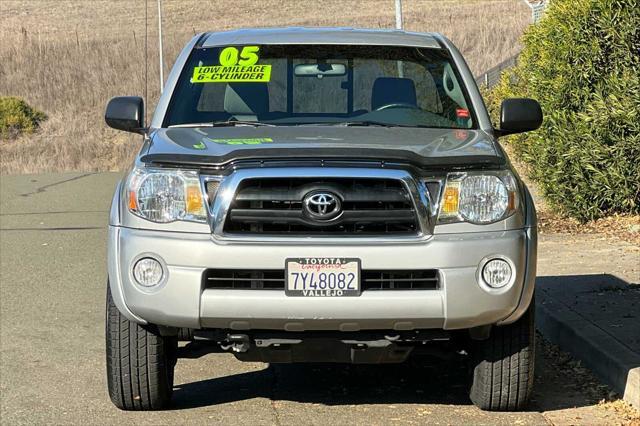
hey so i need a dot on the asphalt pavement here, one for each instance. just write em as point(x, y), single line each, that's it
point(52, 369)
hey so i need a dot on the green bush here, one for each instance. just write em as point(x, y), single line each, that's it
point(582, 63)
point(17, 117)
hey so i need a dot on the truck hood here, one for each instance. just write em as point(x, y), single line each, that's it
point(218, 146)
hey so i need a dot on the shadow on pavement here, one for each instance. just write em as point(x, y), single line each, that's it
point(575, 284)
point(596, 318)
point(602, 300)
point(432, 381)
point(443, 382)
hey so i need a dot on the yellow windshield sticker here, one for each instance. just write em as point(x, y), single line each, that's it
point(230, 56)
point(242, 141)
point(236, 66)
point(233, 74)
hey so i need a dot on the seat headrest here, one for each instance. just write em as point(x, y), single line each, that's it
point(391, 90)
point(246, 98)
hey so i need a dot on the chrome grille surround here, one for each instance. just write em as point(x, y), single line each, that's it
point(219, 207)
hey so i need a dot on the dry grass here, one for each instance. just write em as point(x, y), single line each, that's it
point(629, 415)
point(626, 228)
point(67, 58)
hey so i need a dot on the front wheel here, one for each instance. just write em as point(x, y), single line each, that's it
point(503, 366)
point(140, 363)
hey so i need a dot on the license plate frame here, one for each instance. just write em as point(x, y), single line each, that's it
point(317, 266)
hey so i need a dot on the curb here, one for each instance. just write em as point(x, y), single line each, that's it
point(611, 361)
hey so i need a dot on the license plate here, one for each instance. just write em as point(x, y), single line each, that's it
point(322, 277)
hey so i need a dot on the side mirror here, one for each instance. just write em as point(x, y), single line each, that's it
point(126, 113)
point(519, 115)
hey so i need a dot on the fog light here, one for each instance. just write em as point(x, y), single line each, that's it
point(496, 273)
point(148, 272)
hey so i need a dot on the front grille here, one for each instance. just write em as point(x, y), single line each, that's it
point(273, 279)
point(212, 188)
point(238, 279)
point(275, 206)
point(427, 279)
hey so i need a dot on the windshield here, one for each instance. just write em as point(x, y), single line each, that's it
point(320, 85)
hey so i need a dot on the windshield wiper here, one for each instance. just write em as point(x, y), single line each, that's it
point(226, 123)
point(231, 123)
point(378, 123)
point(365, 123)
point(350, 123)
point(382, 124)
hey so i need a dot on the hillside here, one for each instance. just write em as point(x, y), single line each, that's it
point(67, 58)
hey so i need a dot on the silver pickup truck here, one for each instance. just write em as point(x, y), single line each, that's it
point(321, 195)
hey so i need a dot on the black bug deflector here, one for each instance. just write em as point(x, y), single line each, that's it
point(213, 147)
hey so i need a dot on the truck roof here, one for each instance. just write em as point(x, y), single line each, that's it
point(340, 36)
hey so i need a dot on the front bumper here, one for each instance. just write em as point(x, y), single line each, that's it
point(460, 302)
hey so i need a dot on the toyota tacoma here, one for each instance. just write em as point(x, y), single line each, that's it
point(321, 195)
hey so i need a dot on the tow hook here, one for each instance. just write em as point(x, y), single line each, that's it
point(236, 342)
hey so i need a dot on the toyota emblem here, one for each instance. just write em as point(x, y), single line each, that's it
point(322, 205)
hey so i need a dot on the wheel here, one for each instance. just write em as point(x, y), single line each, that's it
point(503, 366)
point(140, 363)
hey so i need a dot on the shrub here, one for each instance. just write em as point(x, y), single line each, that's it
point(17, 117)
point(582, 63)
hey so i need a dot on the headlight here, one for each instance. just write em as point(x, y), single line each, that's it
point(478, 198)
point(164, 196)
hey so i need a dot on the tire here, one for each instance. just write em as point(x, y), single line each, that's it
point(503, 366)
point(140, 363)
